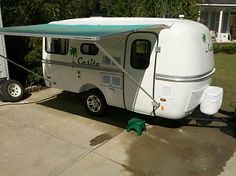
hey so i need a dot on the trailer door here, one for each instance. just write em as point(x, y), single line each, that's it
point(140, 59)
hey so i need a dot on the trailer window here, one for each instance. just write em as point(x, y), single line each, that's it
point(56, 46)
point(89, 49)
point(140, 54)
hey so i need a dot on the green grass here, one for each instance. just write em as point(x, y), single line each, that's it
point(225, 77)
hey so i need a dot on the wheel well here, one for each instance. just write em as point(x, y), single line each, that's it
point(87, 87)
point(2, 80)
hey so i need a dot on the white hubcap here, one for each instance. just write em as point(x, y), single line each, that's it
point(14, 90)
point(93, 103)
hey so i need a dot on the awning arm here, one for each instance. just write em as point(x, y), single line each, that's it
point(154, 103)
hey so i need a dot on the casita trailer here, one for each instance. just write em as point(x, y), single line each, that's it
point(158, 67)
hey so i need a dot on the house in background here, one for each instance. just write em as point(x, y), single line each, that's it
point(220, 17)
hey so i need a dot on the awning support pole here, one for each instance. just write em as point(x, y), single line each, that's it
point(28, 70)
point(155, 104)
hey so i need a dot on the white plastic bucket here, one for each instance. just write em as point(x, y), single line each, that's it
point(211, 100)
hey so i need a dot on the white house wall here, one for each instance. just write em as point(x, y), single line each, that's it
point(210, 16)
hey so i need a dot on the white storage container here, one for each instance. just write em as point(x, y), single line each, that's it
point(211, 100)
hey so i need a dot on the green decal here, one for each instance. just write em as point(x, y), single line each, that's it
point(89, 62)
point(208, 45)
point(74, 53)
point(81, 60)
point(204, 39)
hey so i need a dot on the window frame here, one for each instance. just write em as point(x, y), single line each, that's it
point(58, 53)
point(89, 44)
point(132, 54)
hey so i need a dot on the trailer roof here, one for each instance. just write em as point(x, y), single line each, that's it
point(83, 32)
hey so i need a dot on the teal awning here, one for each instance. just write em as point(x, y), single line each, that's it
point(85, 32)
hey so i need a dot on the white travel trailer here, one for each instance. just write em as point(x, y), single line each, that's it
point(158, 67)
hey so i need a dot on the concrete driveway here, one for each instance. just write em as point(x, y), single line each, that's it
point(48, 134)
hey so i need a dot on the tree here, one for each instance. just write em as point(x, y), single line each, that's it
point(166, 8)
point(105, 7)
point(122, 8)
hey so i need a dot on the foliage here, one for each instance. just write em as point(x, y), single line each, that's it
point(224, 48)
point(166, 8)
point(118, 8)
point(25, 12)
point(33, 60)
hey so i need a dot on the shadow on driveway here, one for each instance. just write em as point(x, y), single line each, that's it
point(72, 103)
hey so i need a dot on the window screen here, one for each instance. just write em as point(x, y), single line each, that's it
point(56, 45)
point(140, 54)
point(89, 49)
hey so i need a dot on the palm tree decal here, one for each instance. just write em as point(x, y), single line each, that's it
point(73, 53)
point(204, 38)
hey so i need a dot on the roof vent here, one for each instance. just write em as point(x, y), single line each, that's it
point(181, 16)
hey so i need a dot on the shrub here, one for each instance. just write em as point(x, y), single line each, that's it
point(224, 48)
point(33, 61)
point(217, 48)
point(230, 49)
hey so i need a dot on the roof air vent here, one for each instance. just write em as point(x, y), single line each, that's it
point(181, 16)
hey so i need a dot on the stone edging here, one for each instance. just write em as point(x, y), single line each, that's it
point(34, 88)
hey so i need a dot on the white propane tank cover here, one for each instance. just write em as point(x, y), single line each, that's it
point(211, 100)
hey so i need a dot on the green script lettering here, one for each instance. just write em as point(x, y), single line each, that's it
point(90, 62)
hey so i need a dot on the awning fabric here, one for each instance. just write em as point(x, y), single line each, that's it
point(86, 32)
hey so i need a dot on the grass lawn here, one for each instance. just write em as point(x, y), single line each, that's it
point(225, 76)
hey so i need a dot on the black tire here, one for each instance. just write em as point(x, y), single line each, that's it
point(12, 90)
point(94, 102)
point(1, 96)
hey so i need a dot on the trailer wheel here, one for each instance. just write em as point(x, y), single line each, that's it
point(12, 90)
point(94, 102)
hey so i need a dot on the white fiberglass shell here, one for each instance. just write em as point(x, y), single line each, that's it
point(183, 67)
point(186, 50)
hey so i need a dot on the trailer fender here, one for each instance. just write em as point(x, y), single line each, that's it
point(87, 87)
